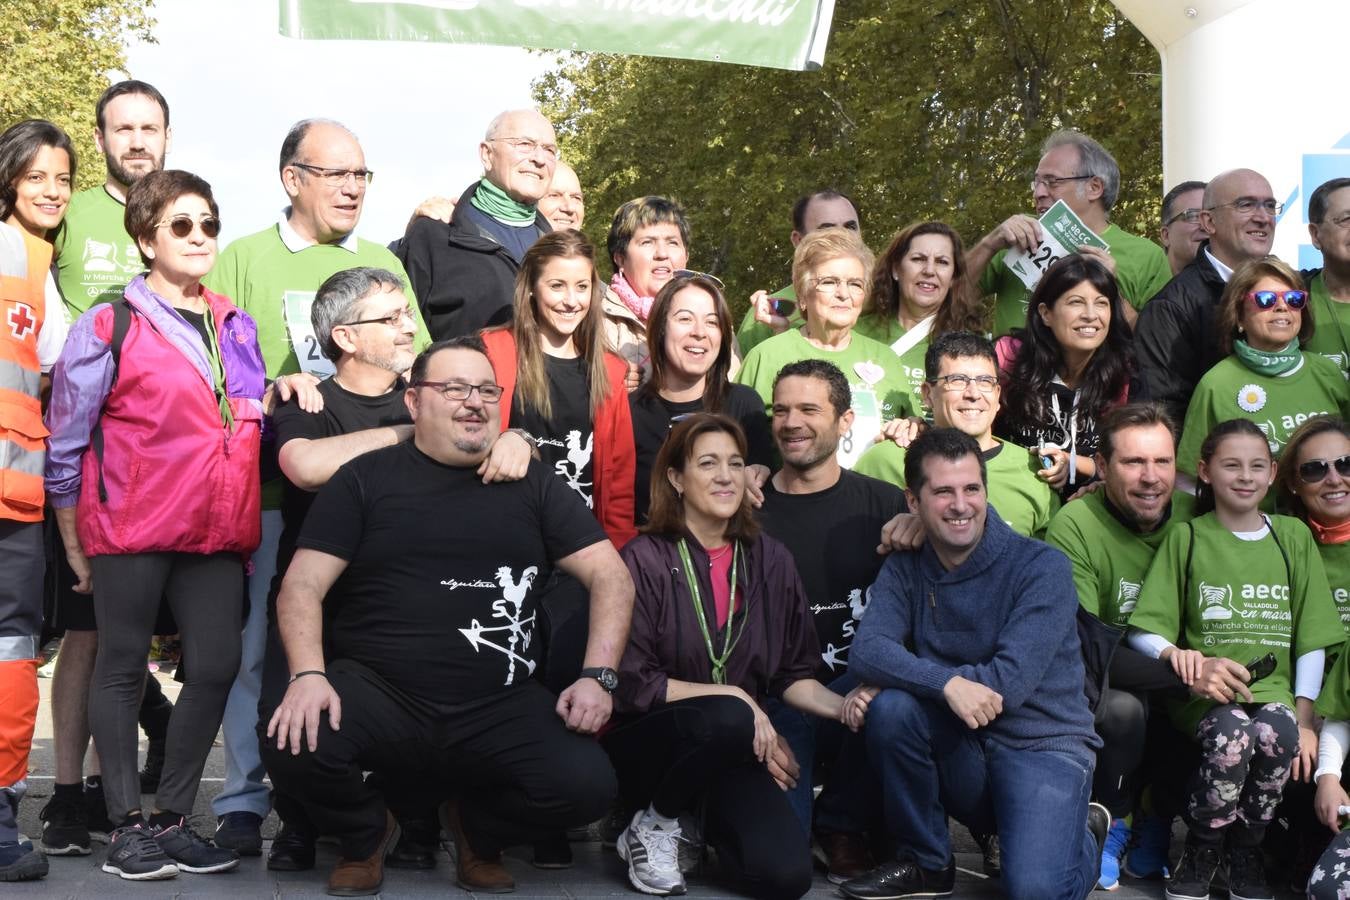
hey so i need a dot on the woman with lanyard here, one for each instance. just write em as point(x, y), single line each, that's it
point(720, 624)
point(830, 273)
point(1071, 363)
point(1263, 323)
point(1237, 603)
point(689, 341)
point(1314, 485)
point(918, 292)
point(156, 414)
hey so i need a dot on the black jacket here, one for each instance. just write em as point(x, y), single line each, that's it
point(463, 277)
point(1176, 340)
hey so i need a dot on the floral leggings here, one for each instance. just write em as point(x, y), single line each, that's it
point(1246, 751)
point(1330, 879)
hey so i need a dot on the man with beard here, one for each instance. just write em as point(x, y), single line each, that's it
point(273, 275)
point(95, 258)
point(409, 633)
point(1110, 537)
point(830, 520)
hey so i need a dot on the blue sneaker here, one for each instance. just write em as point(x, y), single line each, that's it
point(1117, 839)
point(1152, 840)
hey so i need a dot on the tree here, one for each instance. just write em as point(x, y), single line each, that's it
point(924, 109)
point(55, 56)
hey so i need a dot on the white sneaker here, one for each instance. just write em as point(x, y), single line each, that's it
point(652, 854)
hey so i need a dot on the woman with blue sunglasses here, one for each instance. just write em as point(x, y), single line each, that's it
point(1263, 324)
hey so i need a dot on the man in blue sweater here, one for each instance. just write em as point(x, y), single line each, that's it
point(981, 714)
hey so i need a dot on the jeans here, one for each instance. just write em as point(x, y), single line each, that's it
point(932, 766)
point(244, 790)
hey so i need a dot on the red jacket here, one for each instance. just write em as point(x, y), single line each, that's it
point(615, 459)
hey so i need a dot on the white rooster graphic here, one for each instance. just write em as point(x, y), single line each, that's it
point(510, 606)
point(577, 458)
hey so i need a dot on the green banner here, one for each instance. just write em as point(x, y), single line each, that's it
point(781, 34)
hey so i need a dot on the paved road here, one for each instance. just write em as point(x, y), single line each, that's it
point(597, 873)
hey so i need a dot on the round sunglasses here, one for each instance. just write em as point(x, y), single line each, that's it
point(1268, 299)
point(1314, 470)
point(181, 226)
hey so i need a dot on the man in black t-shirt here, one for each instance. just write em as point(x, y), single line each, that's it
point(421, 577)
point(365, 325)
point(831, 520)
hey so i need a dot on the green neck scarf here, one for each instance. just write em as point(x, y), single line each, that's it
point(500, 205)
point(1269, 362)
point(217, 369)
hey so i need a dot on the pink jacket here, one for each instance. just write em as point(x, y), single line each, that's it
point(171, 477)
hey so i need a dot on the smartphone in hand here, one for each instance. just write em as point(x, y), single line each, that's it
point(1261, 667)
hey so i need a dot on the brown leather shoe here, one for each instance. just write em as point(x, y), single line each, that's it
point(362, 877)
point(846, 855)
point(473, 872)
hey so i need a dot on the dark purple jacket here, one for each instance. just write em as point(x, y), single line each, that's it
point(777, 647)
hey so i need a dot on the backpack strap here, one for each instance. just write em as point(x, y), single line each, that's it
point(122, 312)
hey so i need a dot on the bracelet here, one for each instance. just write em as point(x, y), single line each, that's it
point(526, 436)
point(308, 672)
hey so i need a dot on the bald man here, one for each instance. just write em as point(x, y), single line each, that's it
point(1175, 338)
point(464, 272)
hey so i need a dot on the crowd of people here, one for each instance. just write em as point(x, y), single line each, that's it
point(459, 537)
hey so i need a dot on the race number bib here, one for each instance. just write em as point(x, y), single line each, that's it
point(1062, 233)
point(296, 305)
point(866, 427)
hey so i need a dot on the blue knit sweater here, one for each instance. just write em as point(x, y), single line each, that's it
point(1003, 618)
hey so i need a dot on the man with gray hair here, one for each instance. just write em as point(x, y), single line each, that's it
point(464, 271)
point(273, 276)
point(1078, 170)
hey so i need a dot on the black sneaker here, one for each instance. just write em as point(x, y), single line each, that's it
point(1193, 873)
point(65, 831)
point(553, 853)
point(134, 855)
point(241, 832)
point(96, 813)
point(193, 854)
point(993, 857)
point(1099, 826)
point(292, 850)
point(1247, 874)
point(417, 842)
point(20, 861)
point(901, 879)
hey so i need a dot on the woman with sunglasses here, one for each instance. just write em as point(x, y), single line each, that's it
point(689, 342)
point(156, 412)
point(919, 292)
point(1263, 324)
point(720, 624)
point(831, 275)
point(1314, 484)
point(1070, 365)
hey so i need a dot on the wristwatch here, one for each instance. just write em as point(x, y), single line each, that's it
point(529, 438)
point(608, 678)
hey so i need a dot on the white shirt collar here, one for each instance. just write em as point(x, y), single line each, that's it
point(1224, 271)
point(295, 243)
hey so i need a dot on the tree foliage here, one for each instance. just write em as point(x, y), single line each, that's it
point(55, 56)
point(924, 109)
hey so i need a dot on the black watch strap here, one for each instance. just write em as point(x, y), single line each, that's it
point(608, 678)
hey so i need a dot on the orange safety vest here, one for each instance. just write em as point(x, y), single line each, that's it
point(22, 433)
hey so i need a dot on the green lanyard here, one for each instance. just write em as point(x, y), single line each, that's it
point(719, 663)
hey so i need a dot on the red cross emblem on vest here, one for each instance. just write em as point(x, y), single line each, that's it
point(21, 321)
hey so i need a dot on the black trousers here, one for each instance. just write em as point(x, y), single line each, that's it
point(700, 749)
point(521, 775)
point(1122, 723)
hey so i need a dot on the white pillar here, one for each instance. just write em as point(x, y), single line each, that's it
point(1261, 84)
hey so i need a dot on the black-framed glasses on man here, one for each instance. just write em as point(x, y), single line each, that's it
point(392, 320)
point(337, 177)
point(1050, 182)
point(460, 390)
point(960, 381)
point(1246, 206)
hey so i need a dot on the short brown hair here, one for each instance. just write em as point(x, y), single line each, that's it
point(1141, 414)
point(665, 515)
point(820, 247)
point(1241, 284)
point(640, 213)
point(150, 197)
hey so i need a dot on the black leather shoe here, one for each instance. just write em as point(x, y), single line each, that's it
point(292, 851)
point(901, 879)
point(416, 847)
point(241, 832)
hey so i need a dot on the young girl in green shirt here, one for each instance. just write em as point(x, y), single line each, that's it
point(1237, 602)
